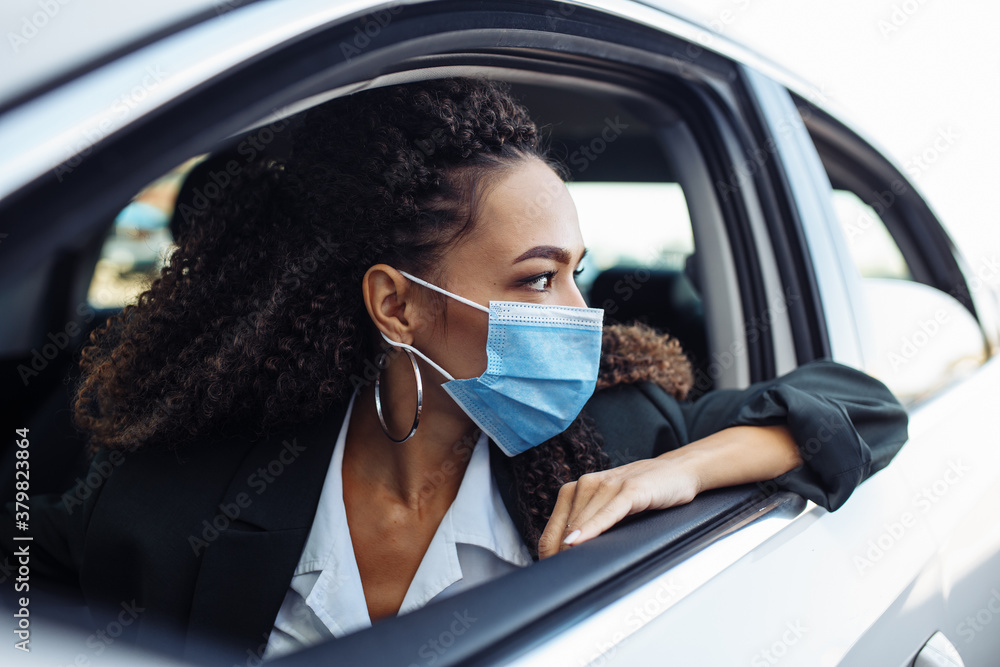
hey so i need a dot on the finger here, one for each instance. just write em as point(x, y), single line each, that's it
point(602, 517)
point(593, 491)
point(597, 498)
point(553, 535)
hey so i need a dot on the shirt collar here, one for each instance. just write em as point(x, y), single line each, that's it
point(481, 519)
point(474, 518)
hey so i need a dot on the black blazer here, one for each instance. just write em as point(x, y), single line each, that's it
point(204, 541)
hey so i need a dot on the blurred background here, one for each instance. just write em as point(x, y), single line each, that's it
point(907, 73)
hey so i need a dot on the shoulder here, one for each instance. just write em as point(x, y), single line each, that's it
point(172, 490)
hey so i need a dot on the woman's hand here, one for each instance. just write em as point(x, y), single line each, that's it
point(597, 501)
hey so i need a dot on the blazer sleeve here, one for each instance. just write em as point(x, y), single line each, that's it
point(846, 424)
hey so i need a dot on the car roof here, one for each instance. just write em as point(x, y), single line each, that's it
point(52, 41)
point(55, 42)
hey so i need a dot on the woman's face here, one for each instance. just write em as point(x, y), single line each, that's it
point(525, 246)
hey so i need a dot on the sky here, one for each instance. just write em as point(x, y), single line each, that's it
point(906, 73)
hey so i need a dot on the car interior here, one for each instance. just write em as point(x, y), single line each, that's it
point(667, 298)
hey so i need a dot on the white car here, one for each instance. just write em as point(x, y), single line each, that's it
point(720, 199)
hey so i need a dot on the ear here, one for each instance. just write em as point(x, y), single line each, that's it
point(391, 302)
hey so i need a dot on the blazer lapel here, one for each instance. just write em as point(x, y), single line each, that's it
point(263, 522)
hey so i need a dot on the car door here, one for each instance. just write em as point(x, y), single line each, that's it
point(911, 558)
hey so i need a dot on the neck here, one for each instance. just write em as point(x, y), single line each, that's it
point(427, 469)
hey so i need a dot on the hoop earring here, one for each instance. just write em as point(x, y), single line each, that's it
point(382, 363)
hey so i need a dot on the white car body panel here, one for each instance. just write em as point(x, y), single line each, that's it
point(820, 584)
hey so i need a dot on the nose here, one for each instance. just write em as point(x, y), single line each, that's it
point(576, 297)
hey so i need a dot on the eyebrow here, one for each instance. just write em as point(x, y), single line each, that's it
point(560, 255)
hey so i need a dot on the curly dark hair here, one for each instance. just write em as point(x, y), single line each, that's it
point(257, 320)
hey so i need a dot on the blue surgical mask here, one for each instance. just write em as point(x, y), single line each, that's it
point(542, 364)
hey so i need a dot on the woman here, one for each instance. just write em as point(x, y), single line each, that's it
point(358, 384)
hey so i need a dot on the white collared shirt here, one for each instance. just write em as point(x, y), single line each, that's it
point(476, 541)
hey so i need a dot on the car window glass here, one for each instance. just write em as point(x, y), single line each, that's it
point(138, 243)
point(873, 249)
point(639, 242)
point(651, 228)
point(918, 338)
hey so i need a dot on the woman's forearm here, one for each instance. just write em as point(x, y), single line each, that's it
point(738, 455)
point(596, 501)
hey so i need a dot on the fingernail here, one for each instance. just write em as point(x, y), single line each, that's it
point(572, 536)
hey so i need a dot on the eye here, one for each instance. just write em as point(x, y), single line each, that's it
point(576, 273)
point(541, 282)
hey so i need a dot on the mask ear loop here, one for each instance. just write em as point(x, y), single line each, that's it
point(382, 363)
point(410, 351)
point(428, 285)
point(410, 348)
